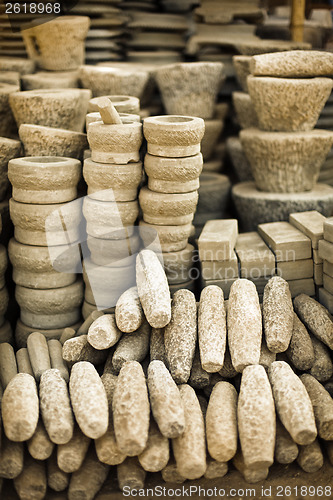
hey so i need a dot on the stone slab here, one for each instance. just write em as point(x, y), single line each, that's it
point(316, 258)
point(326, 299)
point(217, 240)
point(255, 257)
point(306, 286)
point(328, 229)
point(220, 270)
point(318, 274)
point(325, 250)
point(311, 224)
point(287, 242)
point(328, 268)
point(328, 283)
point(295, 270)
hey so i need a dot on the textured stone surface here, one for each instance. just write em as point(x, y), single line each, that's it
point(129, 314)
point(103, 332)
point(23, 331)
point(310, 457)
point(242, 70)
point(11, 458)
point(213, 130)
point(278, 314)
point(189, 449)
point(78, 349)
point(133, 346)
point(286, 450)
point(131, 409)
point(245, 112)
point(212, 329)
point(180, 335)
point(153, 289)
point(287, 104)
point(8, 366)
point(267, 357)
point(156, 455)
point(293, 64)
point(322, 406)
point(59, 108)
point(199, 378)
point(22, 65)
point(70, 456)
point(215, 469)
point(221, 422)
point(20, 408)
point(23, 361)
point(300, 351)
point(287, 242)
point(292, 402)
point(107, 219)
point(9, 149)
point(39, 354)
point(322, 368)
point(254, 256)
point(167, 209)
point(130, 474)
point(244, 324)
point(256, 207)
point(39, 445)
point(251, 475)
point(326, 299)
point(310, 223)
point(55, 407)
point(170, 238)
point(223, 269)
point(32, 482)
point(283, 162)
point(57, 479)
point(88, 480)
point(218, 239)
point(157, 347)
point(316, 318)
point(57, 362)
point(89, 401)
point(238, 159)
point(48, 80)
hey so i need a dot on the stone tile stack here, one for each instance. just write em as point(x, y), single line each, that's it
point(293, 254)
point(325, 252)
point(113, 175)
point(45, 224)
point(216, 245)
point(288, 91)
point(173, 164)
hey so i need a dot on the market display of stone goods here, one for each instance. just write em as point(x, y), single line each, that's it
point(166, 256)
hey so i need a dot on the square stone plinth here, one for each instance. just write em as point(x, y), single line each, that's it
point(256, 259)
point(220, 270)
point(328, 229)
point(311, 224)
point(217, 240)
point(325, 250)
point(328, 268)
point(318, 274)
point(328, 283)
point(287, 242)
point(306, 286)
point(295, 270)
point(326, 299)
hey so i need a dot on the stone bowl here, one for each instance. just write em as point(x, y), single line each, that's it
point(103, 80)
point(7, 121)
point(246, 114)
point(59, 108)
point(288, 104)
point(122, 103)
point(123, 180)
point(170, 238)
point(44, 179)
point(242, 70)
point(190, 88)
point(113, 252)
point(47, 141)
point(213, 131)
point(238, 159)
point(167, 209)
point(115, 143)
point(8, 149)
point(173, 136)
point(50, 80)
point(286, 163)
point(24, 66)
point(125, 118)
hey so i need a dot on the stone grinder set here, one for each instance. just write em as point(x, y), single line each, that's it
point(186, 391)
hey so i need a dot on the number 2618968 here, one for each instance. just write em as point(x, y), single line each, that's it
point(32, 8)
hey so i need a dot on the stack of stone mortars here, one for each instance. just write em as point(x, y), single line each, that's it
point(113, 174)
point(43, 221)
point(288, 90)
point(5, 328)
point(227, 399)
point(173, 164)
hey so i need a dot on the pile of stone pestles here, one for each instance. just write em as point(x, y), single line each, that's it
point(244, 389)
point(113, 175)
point(43, 221)
point(173, 164)
point(287, 90)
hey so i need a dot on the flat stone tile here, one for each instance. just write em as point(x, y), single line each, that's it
point(326, 299)
point(318, 274)
point(306, 286)
point(325, 250)
point(311, 224)
point(256, 259)
point(295, 270)
point(328, 229)
point(328, 268)
point(316, 258)
point(220, 270)
point(328, 283)
point(217, 240)
point(287, 242)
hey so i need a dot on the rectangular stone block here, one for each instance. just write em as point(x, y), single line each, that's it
point(328, 229)
point(318, 274)
point(326, 299)
point(306, 286)
point(295, 270)
point(225, 285)
point(311, 224)
point(260, 284)
point(256, 259)
point(325, 250)
point(217, 240)
point(328, 283)
point(328, 268)
point(220, 270)
point(287, 242)
point(316, 258)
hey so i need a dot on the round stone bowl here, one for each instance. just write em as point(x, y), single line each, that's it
point(122, 103)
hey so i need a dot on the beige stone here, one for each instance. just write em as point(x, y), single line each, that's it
point(88, 480)
point(170, 473)
point(328, 283)
point(283, 162)
point(103, 332)
point(287, 242)
point(300, 351)
point(286, 450)
point(129, 314)
point(132, 347)
point(32, 481)
point(255, 257)
point(48, 80)
point(214, 194)
point(78, 349)
point(179, 266)
point(225, 285)
point(130, 474)
point(238, 159)
point(49, 141)
point(125, 117)
point(57, 361)
point(119, 252)
point(315, 317)
point(11, 458)
point(167, 209)
point(226, 12)
point(310, 223)
point(157, 348)
point(156, 455)
point(60, 43)
point(199, 378)
point(38, 354)
point(215, 469)
point(6, 334)
point(22, 65)
point(245, 112)
point(167, 238)
point(290, 271)
point(122, 103)
point(310, 457)
point(283, 104)
point(8, 366)
point(70, 456)
point(328, 230)
point(23, 361)
point(173, 135)
point(293, 64)
point(242, 70)
point(322, 406)
point(251, 475)
point(218, 239)
point(325, 250)
point(326, 299)
point(23, 331)
point(37, 107)
point(220, 270)
point(57, 479)
point(39, 445)
point(322, 368)
point(327, 268)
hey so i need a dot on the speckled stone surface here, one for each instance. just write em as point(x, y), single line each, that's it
point(251, 475)
point(221, 422)
point(89, 401)
point(253, 253)
point(266, 356)
point(132, 347)
point(322, 406)
point(278, 314)
point(316, 318)
point(131, 409)
point(156, 455)
point(180, 335)
point(242, 70)
point(286, 450)
point(157, 347)
point(245, 112)
point(32, 482)
point(300, 351)
point(292, 402)
point(199, 378)
point(168, 238)
point(103, 332)
point(40, 445)
point(57, 361)
point(70, 456)
point(88, 480)
point(189, 449)
point(38, 353)
point(55, 407)
point(256, 418)
point(322, 368)
point(78, 349)
point(244, 324)
point(310, 457)
point(130, 474)
point(11, 463)
point(129, 314)
point(8, 365)
point(167, 209)
point(20, 408)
